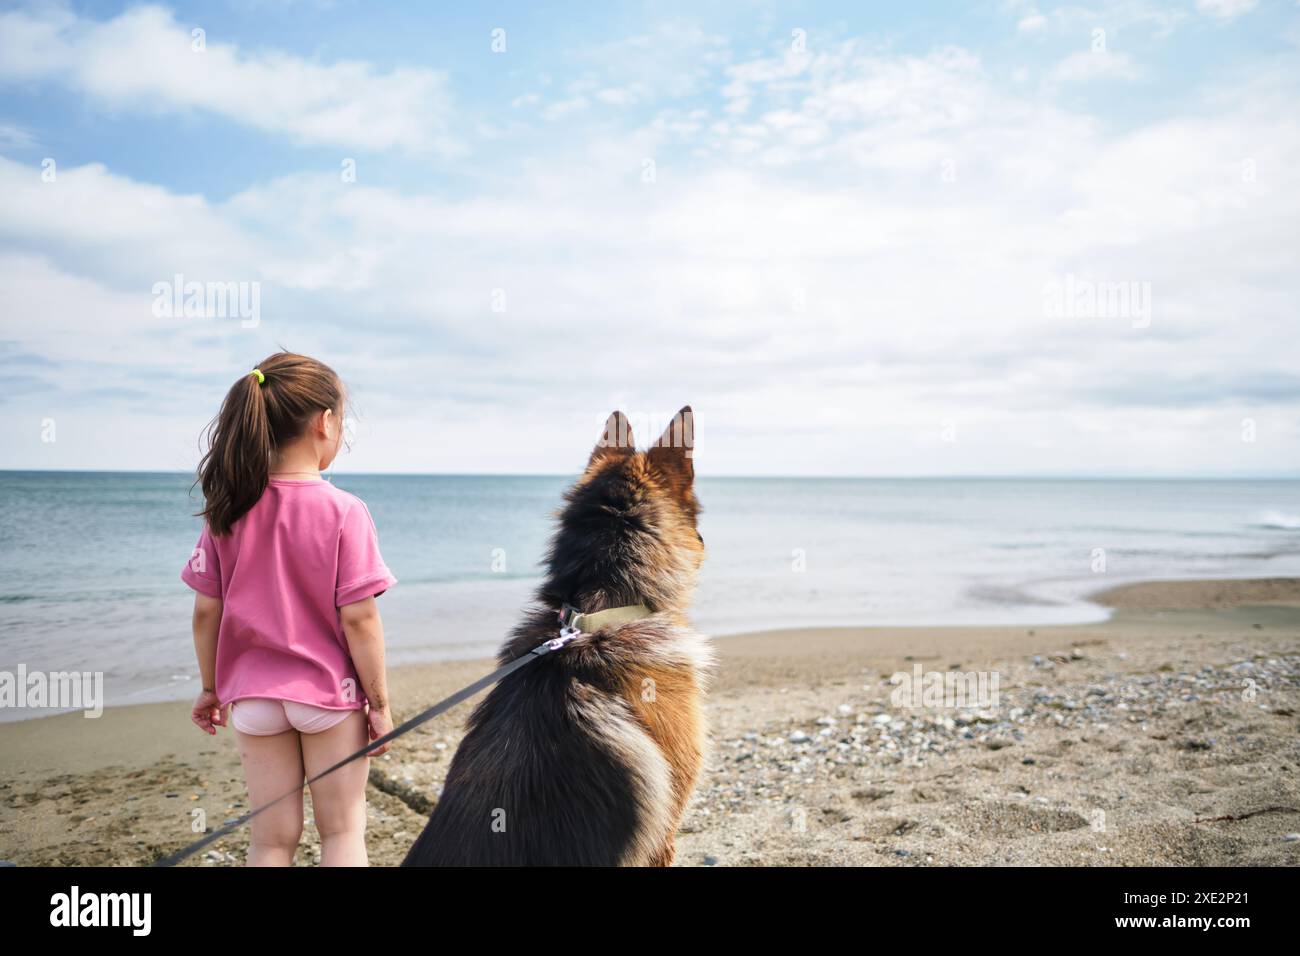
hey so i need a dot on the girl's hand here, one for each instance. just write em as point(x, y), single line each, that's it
point(208, 712)
point(381, 722)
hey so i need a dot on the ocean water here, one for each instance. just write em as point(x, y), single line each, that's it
point(90, 562)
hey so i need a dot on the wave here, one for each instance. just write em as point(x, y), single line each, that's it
point(1008, 596)
point(1279, 520)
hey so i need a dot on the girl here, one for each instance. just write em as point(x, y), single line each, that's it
point(286, 630)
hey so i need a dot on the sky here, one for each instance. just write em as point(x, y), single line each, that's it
point(989, 238)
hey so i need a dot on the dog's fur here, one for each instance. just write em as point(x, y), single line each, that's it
point(588, 755)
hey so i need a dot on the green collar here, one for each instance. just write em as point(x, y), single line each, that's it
point(572, 619)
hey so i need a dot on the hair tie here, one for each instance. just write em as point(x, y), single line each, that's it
point(261, 379)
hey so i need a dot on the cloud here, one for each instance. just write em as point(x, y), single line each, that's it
point(144, 61)
point(838, 252)
point(1033, 23)
point(15, 137)
point(1225, 9)
point(1159, 20)
point(1088, 66)
point(115, 229)
point(562, 108)
point(618, 96)
point(669, 61)
point(904, 118)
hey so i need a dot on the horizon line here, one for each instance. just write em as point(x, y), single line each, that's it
point(1295, 476)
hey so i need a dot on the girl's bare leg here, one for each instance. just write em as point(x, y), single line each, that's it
point(339, 798)
point(272, 767)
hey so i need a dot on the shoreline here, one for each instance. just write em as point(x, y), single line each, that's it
point(1139, 718)
point(1094, 598)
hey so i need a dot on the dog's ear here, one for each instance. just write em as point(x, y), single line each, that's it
point(615, 441)
point(672, 454)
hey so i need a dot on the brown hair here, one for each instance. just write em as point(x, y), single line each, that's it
point(256, 418)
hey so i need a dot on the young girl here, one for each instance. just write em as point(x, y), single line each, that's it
point(286, 630)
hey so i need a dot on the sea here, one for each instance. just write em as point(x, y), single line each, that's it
point(90, 561)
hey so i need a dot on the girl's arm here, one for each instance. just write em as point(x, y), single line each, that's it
point(364, 631)
point(206, 623)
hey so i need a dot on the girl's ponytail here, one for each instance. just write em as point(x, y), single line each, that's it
point(264, 409)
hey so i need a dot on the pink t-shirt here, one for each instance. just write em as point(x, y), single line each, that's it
point(298, 555)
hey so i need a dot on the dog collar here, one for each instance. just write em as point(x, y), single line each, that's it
point(574, 621)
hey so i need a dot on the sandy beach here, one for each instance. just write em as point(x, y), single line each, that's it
point(1166, 735)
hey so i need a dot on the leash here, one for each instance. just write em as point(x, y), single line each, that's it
point(541, 650)
point(569, 617)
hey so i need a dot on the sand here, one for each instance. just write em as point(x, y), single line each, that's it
point(1166, 735)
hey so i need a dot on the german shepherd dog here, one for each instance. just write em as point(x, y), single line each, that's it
point(588, 755)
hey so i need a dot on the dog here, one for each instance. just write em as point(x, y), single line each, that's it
point(587, 756)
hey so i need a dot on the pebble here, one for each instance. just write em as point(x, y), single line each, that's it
point(764, 769)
